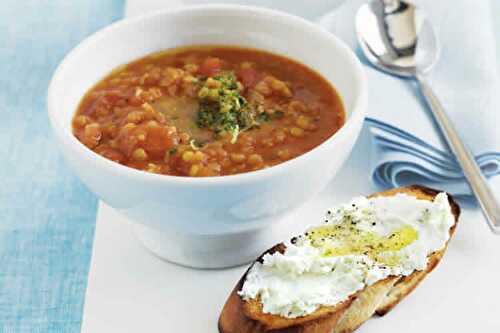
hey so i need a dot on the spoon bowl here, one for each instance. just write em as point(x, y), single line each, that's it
point(388, 32)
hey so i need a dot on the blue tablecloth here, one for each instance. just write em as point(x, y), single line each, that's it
point(47, 215)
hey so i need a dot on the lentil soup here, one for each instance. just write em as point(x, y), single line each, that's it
point(208, 111)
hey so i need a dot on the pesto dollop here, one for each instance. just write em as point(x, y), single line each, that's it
point(223, 108)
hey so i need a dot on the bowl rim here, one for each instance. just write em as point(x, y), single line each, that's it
point(358, 109)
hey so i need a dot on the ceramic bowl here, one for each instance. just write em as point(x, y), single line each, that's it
point(216, 221)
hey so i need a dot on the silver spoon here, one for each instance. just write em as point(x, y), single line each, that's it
point(388, 32)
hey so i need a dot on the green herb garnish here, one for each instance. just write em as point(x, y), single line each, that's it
point(264, 116)
point(223, 109)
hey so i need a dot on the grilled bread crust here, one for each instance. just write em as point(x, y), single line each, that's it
point(240, 316)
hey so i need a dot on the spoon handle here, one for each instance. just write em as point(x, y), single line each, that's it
point(472, 172)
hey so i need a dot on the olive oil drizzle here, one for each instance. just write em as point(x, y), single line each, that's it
point(346, 239)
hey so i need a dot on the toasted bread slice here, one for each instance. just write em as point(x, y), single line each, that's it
point(240, 316)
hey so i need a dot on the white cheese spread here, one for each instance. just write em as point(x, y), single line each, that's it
point(359, 244)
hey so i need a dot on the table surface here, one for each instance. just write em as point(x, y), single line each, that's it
point(131, 290)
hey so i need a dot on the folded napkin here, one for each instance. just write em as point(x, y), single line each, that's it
point(407, 146)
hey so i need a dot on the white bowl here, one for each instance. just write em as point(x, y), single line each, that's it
point(217, 221)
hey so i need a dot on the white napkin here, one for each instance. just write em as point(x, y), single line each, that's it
point(407, 145)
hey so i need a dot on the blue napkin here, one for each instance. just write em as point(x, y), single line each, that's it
point(407, 146)
point(400, 158)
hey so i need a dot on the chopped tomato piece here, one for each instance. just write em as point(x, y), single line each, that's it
point(110, 153)
point(159, 140)
point(248, 76)
point(211, 66)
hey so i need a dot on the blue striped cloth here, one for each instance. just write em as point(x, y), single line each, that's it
point(47, 215)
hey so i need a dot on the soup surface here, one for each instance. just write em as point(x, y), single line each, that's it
point(208, 111)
